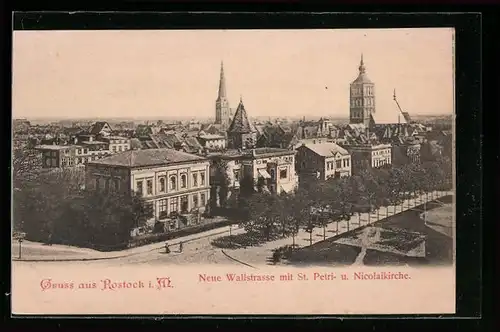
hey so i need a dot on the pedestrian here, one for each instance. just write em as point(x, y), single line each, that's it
point(180, 247)
point(167, 249)
point(50, 240)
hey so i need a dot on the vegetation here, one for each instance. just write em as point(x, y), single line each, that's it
point(54, 207)
point(267, 216)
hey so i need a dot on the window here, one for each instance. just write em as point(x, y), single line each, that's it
point(184, 204)
point(78, 151)
point(195, 201)
point(195, 180)
point(173, 183)
point(114, 148)
point(283, 174)
point(120, 148)
point(347, 162)
point(202, 199)
point(149, 185)
point(183, 181)
point(236, 174)
point(162, 185)
point(116, 184)
point(339, 164)
point(174, 204)
point(106, 186)
point(97, 183)
point(202, 179)
point(162, 208)
point(139, 187)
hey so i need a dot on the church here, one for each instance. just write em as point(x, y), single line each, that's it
point(363, 110)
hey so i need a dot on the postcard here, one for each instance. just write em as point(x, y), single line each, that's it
point(203, 172)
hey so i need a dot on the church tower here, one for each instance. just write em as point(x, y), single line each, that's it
point(222, 110)
point(362, 97)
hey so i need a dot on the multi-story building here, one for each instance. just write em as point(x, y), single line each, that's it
point(323, 160)
point(54, 156)
point(365, 156)
point(273, 169)
point(172, 182)
point(86, 148)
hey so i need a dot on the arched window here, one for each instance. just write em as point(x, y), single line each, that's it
point(183, 181)
point(162, 184)
point(173, 182)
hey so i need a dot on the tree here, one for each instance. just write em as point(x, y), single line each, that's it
point(298, 211)
point(26, 162)
point(222, 180)
point(55, 206)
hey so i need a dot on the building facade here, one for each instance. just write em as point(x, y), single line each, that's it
point(86, 148)
point(212, 141)
point(362, 98)
point(270, 169)
point(323, 161)
point(172, 182)
point(366, 156)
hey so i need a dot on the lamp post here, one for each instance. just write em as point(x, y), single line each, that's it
point(20, 241)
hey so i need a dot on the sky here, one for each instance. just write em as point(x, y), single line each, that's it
point(162, 73)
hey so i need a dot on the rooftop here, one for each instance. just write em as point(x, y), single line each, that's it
point(327, 149)
point(149, 157)
point(211, 136)
point(52, 147)
point(93, 142)
point(271, 151)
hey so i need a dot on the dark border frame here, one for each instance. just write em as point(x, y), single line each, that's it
point(468, 112)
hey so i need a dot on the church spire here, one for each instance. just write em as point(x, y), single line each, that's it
point(222, 83)
point(362, 68)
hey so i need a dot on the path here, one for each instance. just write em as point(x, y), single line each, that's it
point(260, 254)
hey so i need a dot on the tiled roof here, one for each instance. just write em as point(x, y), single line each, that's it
point(150, 157)
point(97, 127)
point(240, 123)
point(326, 149)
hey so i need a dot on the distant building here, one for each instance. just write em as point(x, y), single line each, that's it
point(84, 148)
point(362, 97)
point(366, 156)
point(222, 110)
point(55, 156)
point(100, 128)
point(212, 141)
point(20, 125)
point(172, 182)
point(323, 160)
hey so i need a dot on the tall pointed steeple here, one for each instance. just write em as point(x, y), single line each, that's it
point(222, 109)
point(222, 82)
point(362, 68)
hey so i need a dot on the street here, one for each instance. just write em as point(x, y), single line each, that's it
point(197, 248)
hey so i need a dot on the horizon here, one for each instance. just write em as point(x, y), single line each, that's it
point(292, 72)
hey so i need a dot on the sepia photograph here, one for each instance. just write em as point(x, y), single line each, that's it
point(233, 171)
